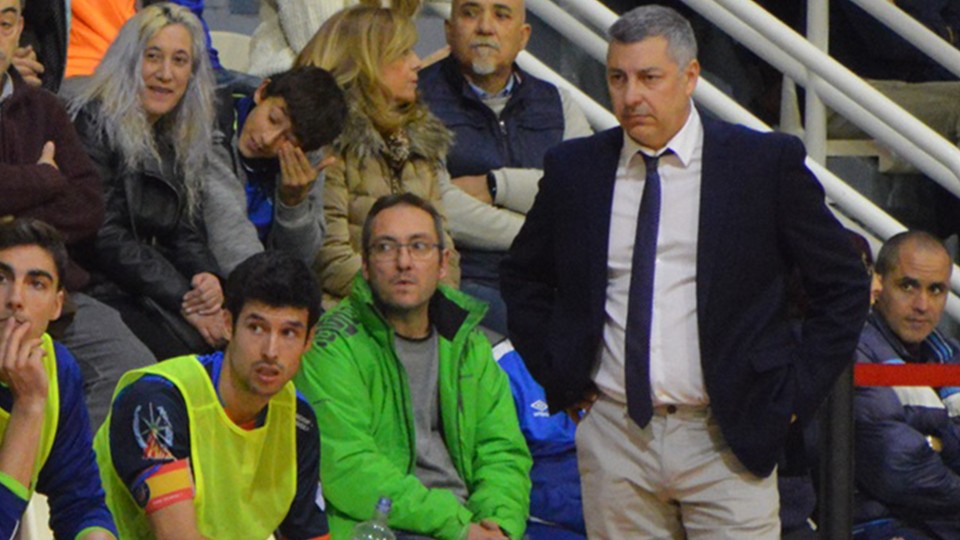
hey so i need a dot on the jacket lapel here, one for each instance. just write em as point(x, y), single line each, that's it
point(599, 172)
point(719, 168)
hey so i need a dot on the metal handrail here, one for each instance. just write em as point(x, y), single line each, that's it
point(783, 47)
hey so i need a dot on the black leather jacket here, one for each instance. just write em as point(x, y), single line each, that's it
point(148, 244)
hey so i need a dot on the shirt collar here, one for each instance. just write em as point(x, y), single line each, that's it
point(507, 90)
point(684, 144)
point(7, 90)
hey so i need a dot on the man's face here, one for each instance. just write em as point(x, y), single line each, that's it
point(914, 293)
point(29, 288)
point(265, 346)
point(401, 281)
point(649, 91)
point(11, 24)
point(485, 36)
point(267, 127)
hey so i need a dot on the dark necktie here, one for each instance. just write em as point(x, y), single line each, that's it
point(640, 306)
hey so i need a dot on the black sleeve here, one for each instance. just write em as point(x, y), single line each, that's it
point(306, 520)
point(149, 426)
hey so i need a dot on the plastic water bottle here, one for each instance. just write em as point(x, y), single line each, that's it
point(376, 528)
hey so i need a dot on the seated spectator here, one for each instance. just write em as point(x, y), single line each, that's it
point(503, 121)
point(145, 118)
point(390, 143)
point(556, 507)
point(44, 429)
point(254, 467)
point(908, 438)
point(413, 406)
point(268, 172)
point(287, 25)
point(45, 174)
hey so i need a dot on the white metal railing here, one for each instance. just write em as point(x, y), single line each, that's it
point(882, 118)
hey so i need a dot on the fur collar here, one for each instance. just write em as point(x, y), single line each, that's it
point(429, 138)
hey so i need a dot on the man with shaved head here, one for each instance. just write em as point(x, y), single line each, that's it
point(908, 438)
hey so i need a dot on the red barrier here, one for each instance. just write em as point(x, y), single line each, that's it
point(906, 375)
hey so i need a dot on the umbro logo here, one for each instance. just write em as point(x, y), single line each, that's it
point(540, 408)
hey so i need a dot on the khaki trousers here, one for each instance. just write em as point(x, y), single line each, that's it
point(677, 478)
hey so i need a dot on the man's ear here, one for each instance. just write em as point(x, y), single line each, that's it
point(227, 323)
point(444, 262)
point(525, 30)
point(61, 297)
point(876, 287)
point(261, 90)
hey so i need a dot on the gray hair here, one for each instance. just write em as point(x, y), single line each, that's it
point(116, 86)
point(650, 21)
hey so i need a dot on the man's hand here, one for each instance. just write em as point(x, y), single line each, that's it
point(485, 530)
point(21, 367)
point(25, 60)
point(211, 327)
point(475, 186)
point(297, 174)
point(579, 410)
point(46, 155)
point(206, 296)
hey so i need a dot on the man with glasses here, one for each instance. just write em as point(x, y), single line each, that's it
point(413, 406)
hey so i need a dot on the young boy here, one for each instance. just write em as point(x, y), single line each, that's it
point(262, 190)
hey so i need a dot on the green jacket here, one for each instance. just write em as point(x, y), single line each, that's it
point(359, 390)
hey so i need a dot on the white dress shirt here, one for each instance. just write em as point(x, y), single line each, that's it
point(676, 376)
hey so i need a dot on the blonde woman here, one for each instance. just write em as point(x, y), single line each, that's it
point(390, 143)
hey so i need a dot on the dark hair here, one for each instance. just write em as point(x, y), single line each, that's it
point(315, 103)
point(33, 232)
point(400, 199)
point(889, 255)
point(277, 279)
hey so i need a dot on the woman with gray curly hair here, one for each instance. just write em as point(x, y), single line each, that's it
point(146, 118)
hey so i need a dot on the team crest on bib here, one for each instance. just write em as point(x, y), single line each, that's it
point(153, 432)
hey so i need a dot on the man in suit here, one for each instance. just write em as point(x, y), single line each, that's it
point(691, 367)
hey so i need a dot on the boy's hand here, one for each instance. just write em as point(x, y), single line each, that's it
point(297, 174)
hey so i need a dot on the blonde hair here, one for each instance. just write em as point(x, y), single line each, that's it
point(116, 86)
point(353, 45)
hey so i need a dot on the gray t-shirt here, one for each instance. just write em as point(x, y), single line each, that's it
point(434, 467)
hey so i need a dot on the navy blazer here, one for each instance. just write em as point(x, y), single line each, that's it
point(762, 214)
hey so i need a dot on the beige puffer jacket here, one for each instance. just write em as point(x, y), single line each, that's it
point(359, 177)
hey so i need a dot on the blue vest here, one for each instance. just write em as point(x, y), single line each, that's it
point(530, 124)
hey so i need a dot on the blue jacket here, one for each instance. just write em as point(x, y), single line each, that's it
point(895, 464)
point(531, 123)
point(555, 497)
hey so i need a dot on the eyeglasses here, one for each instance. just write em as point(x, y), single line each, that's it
point(389, 250)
